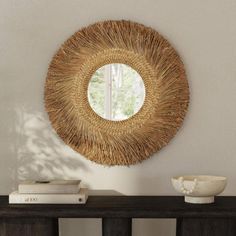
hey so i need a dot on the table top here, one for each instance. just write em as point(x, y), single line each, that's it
point(123, 207)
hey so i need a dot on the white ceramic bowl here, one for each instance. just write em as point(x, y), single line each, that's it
point(199, 188)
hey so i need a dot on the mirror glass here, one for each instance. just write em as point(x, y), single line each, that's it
point(116, 92)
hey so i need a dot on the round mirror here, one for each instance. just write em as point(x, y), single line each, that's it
point(116, 92)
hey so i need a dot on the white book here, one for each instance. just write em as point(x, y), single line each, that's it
point(22, 198)
point(54, 186)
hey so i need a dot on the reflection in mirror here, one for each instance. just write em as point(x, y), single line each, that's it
point(116, 92)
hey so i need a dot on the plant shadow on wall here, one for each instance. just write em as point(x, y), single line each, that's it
point(40, 153)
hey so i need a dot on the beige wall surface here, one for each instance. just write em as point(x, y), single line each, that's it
point(204, 34)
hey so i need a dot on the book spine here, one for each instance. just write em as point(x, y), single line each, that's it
point(47, 199)
point(48, 189)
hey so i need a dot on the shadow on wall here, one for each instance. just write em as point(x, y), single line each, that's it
point(40, 153)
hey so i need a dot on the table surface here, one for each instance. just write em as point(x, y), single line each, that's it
point(124, 207)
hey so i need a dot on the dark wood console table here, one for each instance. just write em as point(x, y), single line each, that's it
point(217, 219)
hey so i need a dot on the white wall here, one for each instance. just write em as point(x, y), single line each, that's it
point(203, 32)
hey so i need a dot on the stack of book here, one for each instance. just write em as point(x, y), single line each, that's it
point(49, 192)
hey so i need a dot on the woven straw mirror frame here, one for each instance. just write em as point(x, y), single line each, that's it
point(166, 92)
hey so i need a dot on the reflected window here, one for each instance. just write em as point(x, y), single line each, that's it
point(116, 92)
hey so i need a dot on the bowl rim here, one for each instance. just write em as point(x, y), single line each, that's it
point(209, 178)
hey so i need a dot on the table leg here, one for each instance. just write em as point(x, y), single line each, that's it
point(28, 227)
point(116, 226)
point(206, 227)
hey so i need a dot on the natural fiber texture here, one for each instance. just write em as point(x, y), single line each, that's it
point(116, 142)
